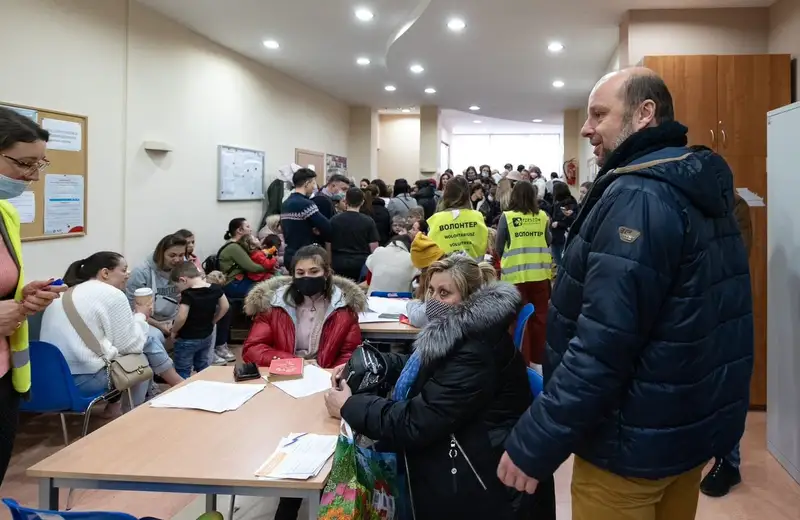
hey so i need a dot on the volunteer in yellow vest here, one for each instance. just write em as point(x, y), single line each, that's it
point(22, 157)
point(523, 243)
point(456, 226)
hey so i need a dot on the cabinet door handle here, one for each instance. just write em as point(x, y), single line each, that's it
point(724, 139)
point(713, 137)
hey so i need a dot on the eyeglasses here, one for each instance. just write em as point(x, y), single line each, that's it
point(28, 168)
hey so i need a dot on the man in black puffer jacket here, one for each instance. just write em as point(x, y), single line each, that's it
point(650, 329)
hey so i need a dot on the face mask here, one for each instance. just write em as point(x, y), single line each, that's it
point(10, 188)
point(336, 197)
point(435, 308)
point(310, 286)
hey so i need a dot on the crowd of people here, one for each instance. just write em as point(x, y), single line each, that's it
point(642, 322)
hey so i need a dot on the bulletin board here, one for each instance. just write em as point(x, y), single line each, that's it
point(240, 174)
point(55, 206)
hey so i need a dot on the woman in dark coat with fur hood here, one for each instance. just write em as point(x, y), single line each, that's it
point(455, 399)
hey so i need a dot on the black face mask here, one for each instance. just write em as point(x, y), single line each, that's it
point(310, 286)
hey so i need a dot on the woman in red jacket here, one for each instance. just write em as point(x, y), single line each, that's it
point(313, 314)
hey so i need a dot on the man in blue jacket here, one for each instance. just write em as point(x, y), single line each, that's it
point(650, 328)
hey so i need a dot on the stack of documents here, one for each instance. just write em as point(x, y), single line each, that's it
point(314, 380)
point(300, 456)
point(387, 305)
point(210, 396)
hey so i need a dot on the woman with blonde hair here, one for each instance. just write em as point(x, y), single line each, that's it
point(456, 226)
point(272, 226)
point(455, 399)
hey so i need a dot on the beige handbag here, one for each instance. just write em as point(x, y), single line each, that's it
point(124, 371)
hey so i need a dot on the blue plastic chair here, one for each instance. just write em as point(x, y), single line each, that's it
point(381, 294)
point(53, 389)
point(25, 513)
point(535, 379)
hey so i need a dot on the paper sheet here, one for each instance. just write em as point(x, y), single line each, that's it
point(210, 396)
point(64, 135)
point(26, 206)
point(387, 305)
point(63, 204)
point(314, 380)
point(752, 199)
point(298, 456)
point(374, 317)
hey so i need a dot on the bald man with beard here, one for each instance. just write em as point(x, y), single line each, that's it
point(650, 327)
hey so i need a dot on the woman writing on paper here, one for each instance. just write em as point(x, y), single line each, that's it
point(23, 144)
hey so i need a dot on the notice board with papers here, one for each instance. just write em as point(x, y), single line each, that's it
point(55, 205)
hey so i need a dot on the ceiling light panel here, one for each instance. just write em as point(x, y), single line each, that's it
point(363, 61)
point(558, 83)
point(474, 108)
point(271, 44)
point(364, 14)
point(416, 68)
point(477, 121)
point(430, 90)
point(389, 88)
point(555, 47)
point(456, 24)
point(537, 120)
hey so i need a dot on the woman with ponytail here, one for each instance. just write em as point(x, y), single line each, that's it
point(234, 260)
point(460, 393)
point(98, 284)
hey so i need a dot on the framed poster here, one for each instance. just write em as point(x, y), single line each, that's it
point(335, 164)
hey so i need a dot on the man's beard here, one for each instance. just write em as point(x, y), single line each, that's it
point(627, 131)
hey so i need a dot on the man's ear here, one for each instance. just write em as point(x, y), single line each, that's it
point(646, 115)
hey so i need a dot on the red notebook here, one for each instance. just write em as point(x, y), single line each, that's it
point(290, 368)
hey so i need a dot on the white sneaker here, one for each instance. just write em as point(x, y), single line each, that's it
point(219, 360)
point(224, 352)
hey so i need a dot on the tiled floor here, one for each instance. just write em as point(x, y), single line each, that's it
point(767, 492)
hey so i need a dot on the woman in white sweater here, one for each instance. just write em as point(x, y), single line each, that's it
point(391, 267)
point(99, 282)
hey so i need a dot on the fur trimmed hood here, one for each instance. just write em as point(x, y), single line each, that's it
point(492, 306)
point(269, 294)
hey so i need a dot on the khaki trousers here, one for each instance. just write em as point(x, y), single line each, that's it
point(600, 495)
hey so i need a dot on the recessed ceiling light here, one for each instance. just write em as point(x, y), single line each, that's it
point(456, 24)
point(363, 61)
point(555, 47)
point(477, 121)
point(364, 14)
point(537, 120)
point(389, 88)
point(416, 68)
point(558, 83)
point(430, 90)
point(406, 110)
point(271, 44)
point(474, 108)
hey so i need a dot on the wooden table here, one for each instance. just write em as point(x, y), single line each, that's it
point(191, 451)
point(388, 331)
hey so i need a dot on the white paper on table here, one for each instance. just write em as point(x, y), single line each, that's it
point(302, 459)
point(211, 396)
point(387, 305)
point(374, 317)
point(26, 206)
point(64, 135)
point(314, 381)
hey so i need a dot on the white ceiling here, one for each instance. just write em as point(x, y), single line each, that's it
point(499, 62)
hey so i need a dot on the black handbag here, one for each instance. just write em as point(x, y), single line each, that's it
point(366, 371)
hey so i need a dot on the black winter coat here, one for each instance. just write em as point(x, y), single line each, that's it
point(426, 198)
point(472, 385)
point(563, 222)
point(650, 327)
point(382, 220)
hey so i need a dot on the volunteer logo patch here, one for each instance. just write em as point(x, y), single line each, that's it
point(628, 235)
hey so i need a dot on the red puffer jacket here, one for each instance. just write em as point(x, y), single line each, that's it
point(272, 335)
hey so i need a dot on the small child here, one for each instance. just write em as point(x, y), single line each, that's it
point(216, 277)
point(491, 255)
point(260, 257)
point(202, 306)
point(400, 226)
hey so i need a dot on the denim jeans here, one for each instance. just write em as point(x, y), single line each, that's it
point(558, 252)
point(239, 288)
point(192, 353)
point(94, 384)
point(156, 354)
point(734, 458)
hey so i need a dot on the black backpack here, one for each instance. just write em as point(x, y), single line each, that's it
point(211, 263)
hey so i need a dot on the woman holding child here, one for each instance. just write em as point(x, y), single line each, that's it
point(234, 259)
point(97, 284)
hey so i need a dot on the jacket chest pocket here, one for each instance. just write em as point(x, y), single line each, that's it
point(462, 467)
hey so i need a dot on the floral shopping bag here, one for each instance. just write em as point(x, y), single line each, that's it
point(363, 485)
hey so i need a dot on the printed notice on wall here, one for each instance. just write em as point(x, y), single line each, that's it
point(63, 204)
point(64, 135)
point(26, 206)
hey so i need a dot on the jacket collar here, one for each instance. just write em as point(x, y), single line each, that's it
point(270, 294)
point(492, 307)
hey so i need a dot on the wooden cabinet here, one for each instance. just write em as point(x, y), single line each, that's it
point(724, 101)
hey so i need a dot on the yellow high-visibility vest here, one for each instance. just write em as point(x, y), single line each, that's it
point(459, 230)
point(527, 257)
point(20, 355)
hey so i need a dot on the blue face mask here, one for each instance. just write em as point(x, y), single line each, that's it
point(10, 188)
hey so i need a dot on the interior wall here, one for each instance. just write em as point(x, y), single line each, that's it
point(696, 31)
point(362, 143)
point(138, 76)
point(784, 32)
point(398, 154)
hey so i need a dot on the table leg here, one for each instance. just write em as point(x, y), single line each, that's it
point(313, 499)
point(48, 495)
point(211, 503)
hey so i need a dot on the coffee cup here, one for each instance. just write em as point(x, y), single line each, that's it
point(143, 297)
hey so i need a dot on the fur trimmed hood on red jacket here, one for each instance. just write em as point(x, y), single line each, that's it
point(269, 294)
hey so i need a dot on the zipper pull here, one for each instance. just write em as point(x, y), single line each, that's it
point(454, 472)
